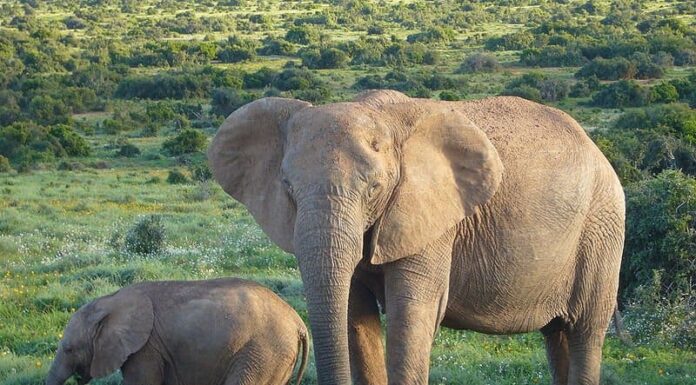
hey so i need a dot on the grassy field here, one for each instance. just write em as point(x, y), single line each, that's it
point(59, 242)
point(62, 231)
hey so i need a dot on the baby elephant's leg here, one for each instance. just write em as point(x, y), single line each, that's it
point(262, 365)
point(143, 368)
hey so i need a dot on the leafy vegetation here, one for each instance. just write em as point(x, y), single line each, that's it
point(100, 100)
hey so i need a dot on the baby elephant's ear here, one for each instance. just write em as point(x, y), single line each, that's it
point(123, 322)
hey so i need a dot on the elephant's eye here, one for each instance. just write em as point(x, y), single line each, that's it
point(374, 187)
point(287, 185)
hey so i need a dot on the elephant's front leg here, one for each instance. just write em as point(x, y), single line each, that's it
point(416, 298)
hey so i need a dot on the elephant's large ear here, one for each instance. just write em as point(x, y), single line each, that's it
point(245, 158)
point(448, 169)
point(123, 322)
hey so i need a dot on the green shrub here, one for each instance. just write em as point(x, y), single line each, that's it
point(608, 69)
point(650, 317)
point(660, 234)
point(324, 58)
point(479, 62)
point(201, 172)
point(676, 119)
point(449, 95)
point(186, 142)
point(128, 150)
point(226, 100)
point(537, 87)
point(524, 91)
point(552, 56)
point(5, 164)
point(237, 50)
point(624, 93)
point(146, 236)
point(664, 93)
point(177, 177)
point(302, 35)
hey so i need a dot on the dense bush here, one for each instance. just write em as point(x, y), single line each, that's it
point(226, 100)
point(27, 144)
point(128, 150)
point(479, 62)
point(638, 66)
point(5, 165)
point(302, 35)
point(146, 236)
point(296, 79)
point(664, 93)
point(201, 172)
point(552, 56)
point(276, 46)
point(653, 317)
point(186, 142)
point(624, 93)
point(432, 35)
point(324, 58)
point(237, 50)
point(515, 41)
point(178, 85)
point(537, 87)
point(177, 177)
point(676, 119)
point(660, 234)
point(609, 69)
point(413, 84)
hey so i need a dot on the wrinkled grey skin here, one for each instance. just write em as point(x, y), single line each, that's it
point(499, 216)
point(223, 331)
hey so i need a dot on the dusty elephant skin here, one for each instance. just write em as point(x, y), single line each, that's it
point(498, 215)
point(216, 332)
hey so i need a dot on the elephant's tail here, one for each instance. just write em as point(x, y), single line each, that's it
point(619, 326)
point(304, 346)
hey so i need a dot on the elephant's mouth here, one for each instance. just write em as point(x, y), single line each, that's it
point(368, 243)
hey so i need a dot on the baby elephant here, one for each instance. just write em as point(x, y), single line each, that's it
point(216, 332)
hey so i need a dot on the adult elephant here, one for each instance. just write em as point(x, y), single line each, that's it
point(498, 215)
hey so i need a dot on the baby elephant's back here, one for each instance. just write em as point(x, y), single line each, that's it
point(205, 323)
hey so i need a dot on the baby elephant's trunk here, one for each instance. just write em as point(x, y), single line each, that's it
point(59, 373)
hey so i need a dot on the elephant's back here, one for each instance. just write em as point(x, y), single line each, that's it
point(519, 128)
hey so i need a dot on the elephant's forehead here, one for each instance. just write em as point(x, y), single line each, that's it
point(336, 123)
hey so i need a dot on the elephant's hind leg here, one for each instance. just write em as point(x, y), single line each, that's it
point(262, 364)
point(557, 351)
point(594, 294)
point(367, 363)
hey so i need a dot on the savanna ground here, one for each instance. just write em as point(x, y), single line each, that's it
point(64, 233)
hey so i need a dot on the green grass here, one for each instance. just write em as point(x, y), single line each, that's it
point(56, 231)
point(60, 230)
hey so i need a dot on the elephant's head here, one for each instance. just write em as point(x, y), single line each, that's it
point(378, 178)
point(101, 335)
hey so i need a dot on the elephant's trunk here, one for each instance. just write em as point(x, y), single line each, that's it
point(328, 244)
point(59, 371)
